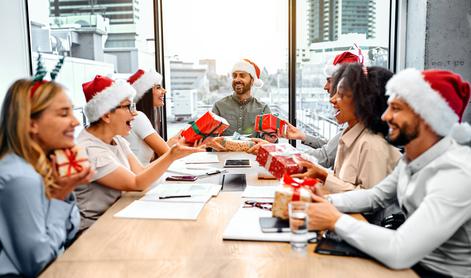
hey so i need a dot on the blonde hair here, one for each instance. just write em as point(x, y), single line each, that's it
point(19, 107)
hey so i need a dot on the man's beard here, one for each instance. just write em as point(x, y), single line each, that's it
point(404, 136)
point(245, 88)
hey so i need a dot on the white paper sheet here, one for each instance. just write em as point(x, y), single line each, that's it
point(201, 158)
point(193, 189)
point(245, 225)
point(259, 191)
point(161, 210)
point(193, 199)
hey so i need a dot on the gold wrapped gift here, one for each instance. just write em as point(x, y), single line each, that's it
point(71, 161)
point(233, 145)
point(290, 190)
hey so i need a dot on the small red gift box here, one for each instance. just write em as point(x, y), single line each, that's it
point(291, 190)
point(207, 125)
point(280, 163)
point(71, 161)
point(265, 150)
point(269, 123)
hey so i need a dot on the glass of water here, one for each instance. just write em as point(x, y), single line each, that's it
point(298, 225)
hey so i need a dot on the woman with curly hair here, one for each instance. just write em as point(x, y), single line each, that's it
point(363, 157)
point(38, 212)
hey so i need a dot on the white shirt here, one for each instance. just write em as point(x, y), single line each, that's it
point(434, 191)
point(141, 128)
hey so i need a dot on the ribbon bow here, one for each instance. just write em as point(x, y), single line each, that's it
point(73, 162)
point(296, 185)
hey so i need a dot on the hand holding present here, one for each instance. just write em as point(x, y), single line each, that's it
point(292, 132)
point(70, 161)
point(314, 171)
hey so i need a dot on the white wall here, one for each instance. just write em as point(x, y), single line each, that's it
point(14, 52)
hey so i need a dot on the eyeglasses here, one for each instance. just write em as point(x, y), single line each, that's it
point(260, 205)
point(131, 107)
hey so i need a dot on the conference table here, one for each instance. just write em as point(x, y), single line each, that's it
point(117, 247)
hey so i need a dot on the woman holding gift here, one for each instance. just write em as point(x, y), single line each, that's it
point(144, 140)
point(38, 212)
point(110, 111)
point(363, 157)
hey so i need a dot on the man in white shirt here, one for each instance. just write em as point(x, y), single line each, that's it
point(431, 182)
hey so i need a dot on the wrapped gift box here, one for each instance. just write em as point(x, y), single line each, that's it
point(280, 163)
point(235, 145)
point(265, 150)
point(269, 123)
point(207, 125)
point(71, 161)
point(289, 191)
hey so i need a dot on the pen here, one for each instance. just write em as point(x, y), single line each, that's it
point(174, 196)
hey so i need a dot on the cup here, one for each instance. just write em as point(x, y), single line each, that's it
point(298, 225)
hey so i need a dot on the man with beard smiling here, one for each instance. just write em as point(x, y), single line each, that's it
point(241, 108)
point(431, 182)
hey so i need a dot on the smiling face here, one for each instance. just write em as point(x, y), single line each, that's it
point(54, 128)
point(121, 117)
point(158, 94)
point(342, 101)
point(241, 82)
point(404, 124)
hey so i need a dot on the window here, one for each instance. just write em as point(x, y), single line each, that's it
point(326, 28)
point(98, 37)
point(203, 39)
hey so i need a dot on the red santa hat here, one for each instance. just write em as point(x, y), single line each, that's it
point(103, 94)
point(251, 68)
point(143, 81)
point(343, 58)
point(438, 96)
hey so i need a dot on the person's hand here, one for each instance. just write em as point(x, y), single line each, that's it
point(313, 171)
point(258, 142)
point(214, 143)
point(292, 132)
point(270, 137)
point(322, 215)
point(67, 184)
point(180, 149)
point(174, 139)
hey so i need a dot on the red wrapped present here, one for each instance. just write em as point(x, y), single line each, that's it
point(269, 123)
point(265, 150)
point(71, 161)
point(207, 125)
point(284, 162)
point(291, 190)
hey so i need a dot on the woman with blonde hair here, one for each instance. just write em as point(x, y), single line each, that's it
point(38, 212)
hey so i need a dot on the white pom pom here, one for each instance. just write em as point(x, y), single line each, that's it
point(258, 83)
point(461, 132)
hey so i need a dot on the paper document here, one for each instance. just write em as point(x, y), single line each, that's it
point(245, 225)
point(193, 189)
point(161, 210)
point(201, 158)
point(193, 199)
point(260, 191)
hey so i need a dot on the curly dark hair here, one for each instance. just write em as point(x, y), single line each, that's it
point(369, 93)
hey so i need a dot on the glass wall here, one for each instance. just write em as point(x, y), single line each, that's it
point(112, 38)
point(202, 41)
point(326, 28)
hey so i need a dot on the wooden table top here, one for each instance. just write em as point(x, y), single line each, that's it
point(116, 247)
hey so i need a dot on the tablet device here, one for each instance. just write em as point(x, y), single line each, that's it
point(274, 225)
point(233, 182)
point(329, 246)
point(237, 163)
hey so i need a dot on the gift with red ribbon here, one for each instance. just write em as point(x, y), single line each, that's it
point(265, 150)
point(291, 190)
point(71, 161)
point(269, 123)
point(285, 162)
point(205, 126)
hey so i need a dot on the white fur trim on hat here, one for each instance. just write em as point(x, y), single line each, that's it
point(410, 86)
point(104, 101)
point(145, 82)
point(250, 69)
point(329, 70)
point(461, 132)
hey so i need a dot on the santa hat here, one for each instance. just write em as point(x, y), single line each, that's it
point(103, 94)
point(143, 81)
point(343, 58)
point(251, 68)
point(438, 96)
